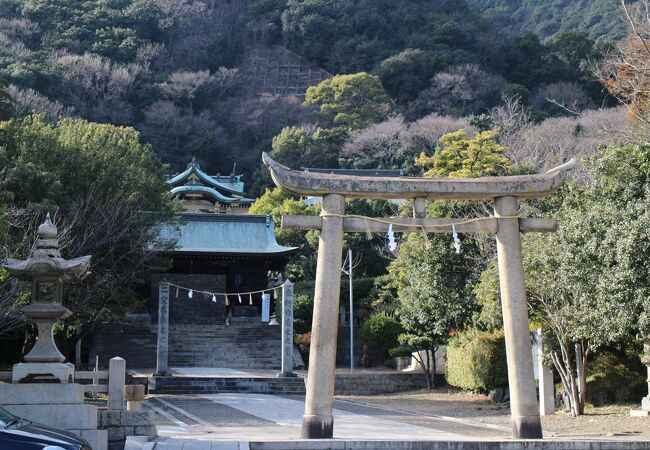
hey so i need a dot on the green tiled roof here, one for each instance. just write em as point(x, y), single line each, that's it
point(210, 192)
point(210, 233)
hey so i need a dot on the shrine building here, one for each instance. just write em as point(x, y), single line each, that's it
point(220, 248)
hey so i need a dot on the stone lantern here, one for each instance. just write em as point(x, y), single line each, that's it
point(645, 401)
point(47, 272)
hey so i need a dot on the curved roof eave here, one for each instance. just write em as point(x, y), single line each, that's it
point(211, 192)
point(279, 251)
point(204, 177)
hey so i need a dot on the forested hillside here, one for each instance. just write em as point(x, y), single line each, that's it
point(218, 79)
point(597, 18)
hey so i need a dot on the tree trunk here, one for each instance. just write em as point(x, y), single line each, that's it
point(433, 368)
point(564, 365)
point(581, 377)
point(425, 367)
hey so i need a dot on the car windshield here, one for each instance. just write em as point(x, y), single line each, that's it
point(6, 418)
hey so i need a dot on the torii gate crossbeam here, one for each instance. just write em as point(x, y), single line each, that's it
point(504, 191)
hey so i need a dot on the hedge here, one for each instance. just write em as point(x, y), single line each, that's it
point(476, 361)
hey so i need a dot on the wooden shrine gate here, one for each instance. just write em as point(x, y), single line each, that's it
point(505, 224)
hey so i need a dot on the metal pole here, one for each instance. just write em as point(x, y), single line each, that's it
point(351, 315)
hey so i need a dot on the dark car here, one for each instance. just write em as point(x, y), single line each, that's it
point(22, 434)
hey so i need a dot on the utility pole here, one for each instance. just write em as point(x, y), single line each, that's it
point(348, 272)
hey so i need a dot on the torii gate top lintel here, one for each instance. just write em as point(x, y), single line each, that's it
point(485, 188)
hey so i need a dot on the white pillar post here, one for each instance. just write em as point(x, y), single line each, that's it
point(116, 382)
point(350, 268)
point(162, 345)
point(524, 408)
point(287, 330)
point(546, 386)
point(317, 423)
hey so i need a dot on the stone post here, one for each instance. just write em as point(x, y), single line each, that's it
point(134, 396)
point(317, 423)
point(546, 385)
point(645, 402)
point(116, 381)
point(287, 330)
point(524, 408)
point(162, 345)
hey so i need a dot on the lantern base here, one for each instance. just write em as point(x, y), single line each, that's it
point(42, 373)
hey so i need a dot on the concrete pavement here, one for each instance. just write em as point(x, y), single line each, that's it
point(228, 421)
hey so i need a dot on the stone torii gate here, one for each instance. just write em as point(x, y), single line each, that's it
point(317, 422)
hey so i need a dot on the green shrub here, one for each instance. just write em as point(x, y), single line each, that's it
point(612, 379)
point(401, 350)
point(477, 361)
point(380, 331)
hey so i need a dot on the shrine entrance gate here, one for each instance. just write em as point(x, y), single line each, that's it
point(505, 225)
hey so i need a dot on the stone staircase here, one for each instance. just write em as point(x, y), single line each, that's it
point(248, 344)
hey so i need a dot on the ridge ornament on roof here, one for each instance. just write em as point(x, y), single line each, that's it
point(230, 184)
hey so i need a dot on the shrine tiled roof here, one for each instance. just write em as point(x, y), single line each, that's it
point(210, 192)
point(229, 183)
point(201, 233)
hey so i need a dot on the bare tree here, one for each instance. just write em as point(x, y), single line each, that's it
point(395, 143)
point(264, 115)
point(28, 101)
point(512, 118)
point(20, 29)
point(150, 57)
point(625, 68)
point(194, 28)
point(21, 224)
point(226, 79)
point(555, 140)
point(98, 88)
point(459, 91)
point(561, 98)
point(15, 47)
point(183, 87)
point(424, 134)
point(378, 146)
point(124, 243)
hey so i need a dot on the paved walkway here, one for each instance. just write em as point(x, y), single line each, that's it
point(228, 421)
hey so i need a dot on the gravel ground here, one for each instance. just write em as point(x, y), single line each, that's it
point(609, 421)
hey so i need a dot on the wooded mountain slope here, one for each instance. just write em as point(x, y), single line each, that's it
point(217, 79)
point(597, 18)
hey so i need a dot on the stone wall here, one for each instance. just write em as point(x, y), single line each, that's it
point(132, 338)
point(120, 424)
point(372, 383)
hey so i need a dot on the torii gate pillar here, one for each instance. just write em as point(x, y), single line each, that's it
point(318, 423)
point(524, 409)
